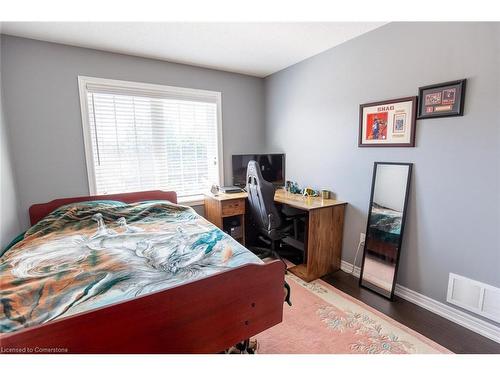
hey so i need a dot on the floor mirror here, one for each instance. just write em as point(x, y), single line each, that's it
point(385, 226)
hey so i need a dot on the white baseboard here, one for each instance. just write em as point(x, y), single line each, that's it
point(457, 316)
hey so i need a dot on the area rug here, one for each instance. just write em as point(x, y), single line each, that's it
point(324, 320)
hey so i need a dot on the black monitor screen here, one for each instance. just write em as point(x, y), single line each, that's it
point(272, 167)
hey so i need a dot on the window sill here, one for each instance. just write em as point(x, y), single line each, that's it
point(193, 200)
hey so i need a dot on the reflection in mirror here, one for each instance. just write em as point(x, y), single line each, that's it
point(384, 232)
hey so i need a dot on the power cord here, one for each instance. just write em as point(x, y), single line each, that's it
point(356, 256)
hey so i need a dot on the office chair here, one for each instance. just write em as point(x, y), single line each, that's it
point(266, 215)
point(267, 218)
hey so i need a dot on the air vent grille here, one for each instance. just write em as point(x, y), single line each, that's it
point(475, 296)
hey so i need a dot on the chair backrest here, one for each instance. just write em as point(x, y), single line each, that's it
point(261, 199)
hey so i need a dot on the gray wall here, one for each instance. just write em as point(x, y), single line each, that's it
point(454, 209)
point(42, 110)
point(9, 220)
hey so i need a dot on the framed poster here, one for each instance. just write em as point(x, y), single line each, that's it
point(442, 100)
point(390, 123)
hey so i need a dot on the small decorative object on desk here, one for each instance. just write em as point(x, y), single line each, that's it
point(441, 100)
point(214, 190)
point(292, 187)
point(325, 194)
point(308, 192)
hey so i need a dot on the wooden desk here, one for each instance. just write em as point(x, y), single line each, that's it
point(303, 203)
point(324, 227)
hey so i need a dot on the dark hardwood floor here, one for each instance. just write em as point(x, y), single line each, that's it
point(446, 333)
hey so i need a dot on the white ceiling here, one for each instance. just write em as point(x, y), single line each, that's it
point(257, 49)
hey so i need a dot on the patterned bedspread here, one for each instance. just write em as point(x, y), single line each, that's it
point(90, 254)
point(386, 220)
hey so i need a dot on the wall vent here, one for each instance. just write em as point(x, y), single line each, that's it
point(475, 296)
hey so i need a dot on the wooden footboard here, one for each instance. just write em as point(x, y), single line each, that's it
point(204, 316)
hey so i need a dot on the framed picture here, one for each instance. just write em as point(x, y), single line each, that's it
point(390, 123)
point(442, 100)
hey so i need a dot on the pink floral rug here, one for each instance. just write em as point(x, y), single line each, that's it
point(325, 320)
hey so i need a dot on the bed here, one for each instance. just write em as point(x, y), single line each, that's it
point(132, 273)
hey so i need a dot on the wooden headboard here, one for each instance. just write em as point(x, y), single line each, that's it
point(40, 210)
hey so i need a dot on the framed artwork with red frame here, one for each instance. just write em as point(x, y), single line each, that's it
point(442, 100)
point(389, 123)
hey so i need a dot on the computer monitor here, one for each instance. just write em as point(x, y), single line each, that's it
point(272, 167)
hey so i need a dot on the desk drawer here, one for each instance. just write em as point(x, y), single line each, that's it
point(233, 207)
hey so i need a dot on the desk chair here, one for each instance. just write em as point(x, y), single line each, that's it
point(268, 219)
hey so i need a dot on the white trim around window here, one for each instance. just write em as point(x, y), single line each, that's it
point(147, 91)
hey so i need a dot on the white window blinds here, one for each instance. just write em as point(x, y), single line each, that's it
point(144, 139)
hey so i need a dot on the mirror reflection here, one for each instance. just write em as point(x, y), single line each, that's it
point(385, 225)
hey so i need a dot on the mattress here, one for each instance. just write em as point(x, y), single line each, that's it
point(91, 254)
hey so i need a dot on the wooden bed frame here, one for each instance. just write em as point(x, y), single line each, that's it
point(204, 316)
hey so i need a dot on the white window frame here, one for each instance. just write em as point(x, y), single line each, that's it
point(161, 91)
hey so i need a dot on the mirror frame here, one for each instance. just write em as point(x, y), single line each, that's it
point(403, 221)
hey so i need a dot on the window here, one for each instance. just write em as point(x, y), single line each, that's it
point(146, 137)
